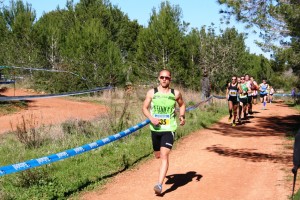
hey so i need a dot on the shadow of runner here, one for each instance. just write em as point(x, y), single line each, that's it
point(179, 180)
point(249, 154)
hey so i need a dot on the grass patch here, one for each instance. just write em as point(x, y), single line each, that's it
point(65, 179)
point(10, 107)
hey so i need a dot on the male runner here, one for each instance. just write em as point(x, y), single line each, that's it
point(254, 88)
point(249, 84)
point(243, 90)
point(263, 88)
point(163, 122)
point(271, 92)
point(238, 99)
point(232, 97)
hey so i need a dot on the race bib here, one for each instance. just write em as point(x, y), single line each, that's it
point(243, 96)
point(164, 120)
point(232, 93)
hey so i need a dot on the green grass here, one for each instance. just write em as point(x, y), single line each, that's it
point(65, 179)
point(12, 107)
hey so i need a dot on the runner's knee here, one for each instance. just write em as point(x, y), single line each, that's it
point(157, 154)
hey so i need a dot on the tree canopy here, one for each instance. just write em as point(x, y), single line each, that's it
point(97, 41)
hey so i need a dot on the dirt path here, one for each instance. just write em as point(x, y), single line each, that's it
point(248, 162)
point(49, 111)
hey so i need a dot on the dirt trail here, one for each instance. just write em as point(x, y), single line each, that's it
point(248, 162)
point(49, 111)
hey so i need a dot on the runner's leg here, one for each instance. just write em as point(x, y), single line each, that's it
point(230, 107)
point(164, 157)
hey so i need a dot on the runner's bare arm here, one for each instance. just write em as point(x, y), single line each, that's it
point(240, 89)
point(227, 91)
point(259, 87)
point(146, 105)
point(181, 105)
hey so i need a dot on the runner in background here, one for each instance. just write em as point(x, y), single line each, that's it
point(205, 86)
point(162, 101)
point(249, 98)
point(271, 92)
point(263, 88)
point(238, 99)
point(232, 95)
point(243, 93)
point(254, 88)
point(293, 94)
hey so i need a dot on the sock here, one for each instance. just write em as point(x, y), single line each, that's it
point(264, 104)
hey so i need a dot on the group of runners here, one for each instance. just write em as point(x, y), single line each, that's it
point(242, 92)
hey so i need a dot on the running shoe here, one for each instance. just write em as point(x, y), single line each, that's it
point(239, 121)
point(233, 124)
point(158, 189)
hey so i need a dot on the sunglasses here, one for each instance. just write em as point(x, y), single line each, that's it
point(242, 79)
point(165, 77)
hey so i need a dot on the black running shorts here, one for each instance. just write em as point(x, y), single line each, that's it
point(234, 99)
point(162, 139)
point(249, 99)
point(244, 100)
point(262, 95)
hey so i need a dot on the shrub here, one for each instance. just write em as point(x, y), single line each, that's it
point(29, 133)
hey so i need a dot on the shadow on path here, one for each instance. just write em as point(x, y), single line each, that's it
point(249, 154)
point(266, 126)
point(179, 180)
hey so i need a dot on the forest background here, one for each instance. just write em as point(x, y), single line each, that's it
point(97, 41)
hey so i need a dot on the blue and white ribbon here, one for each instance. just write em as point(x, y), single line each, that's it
point(43, 96)
point(6, 82)
point(9, 169)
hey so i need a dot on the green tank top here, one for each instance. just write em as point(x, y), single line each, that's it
point(245, 90)
point(163, 108)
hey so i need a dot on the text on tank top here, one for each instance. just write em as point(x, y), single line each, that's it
point(163, 108)
point(233, 90)
point(245, 90)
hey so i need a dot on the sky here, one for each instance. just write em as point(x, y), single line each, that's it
point(196, 12)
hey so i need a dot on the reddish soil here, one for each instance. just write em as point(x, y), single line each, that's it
point(250, 162)
point(48, 111)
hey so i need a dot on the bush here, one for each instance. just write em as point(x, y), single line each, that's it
point(29, 133)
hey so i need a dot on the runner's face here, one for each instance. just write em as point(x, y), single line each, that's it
point(164, 79)
point(242, 79)
point(233, 79)
point(238, 80)
point(246, 78)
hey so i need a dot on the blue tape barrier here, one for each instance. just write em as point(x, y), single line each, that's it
point(6, 82)
point(198, 104)
point(29, 97)
point(9, 169)
point(219, 97)
point(286, 95)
